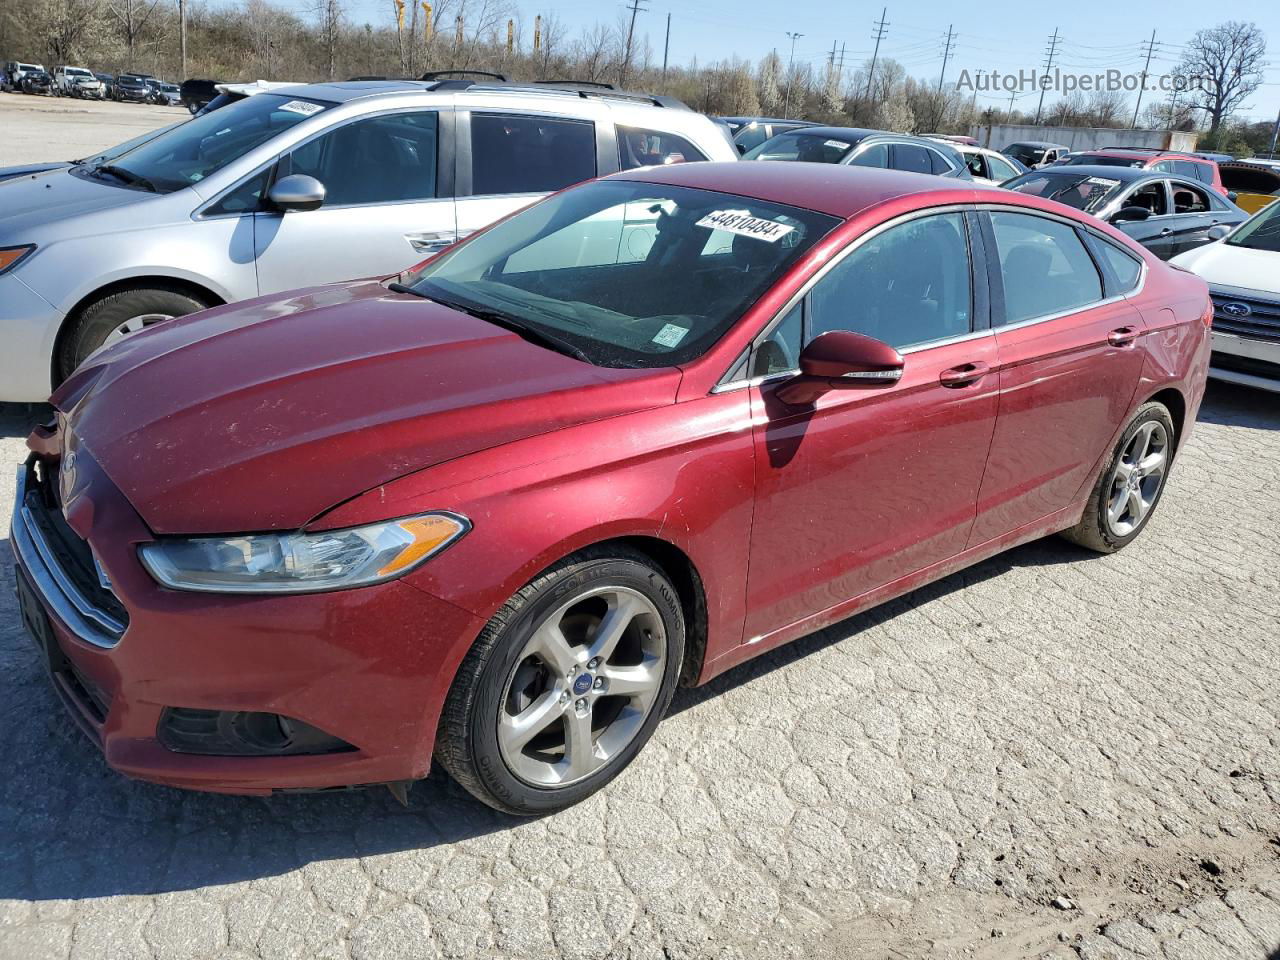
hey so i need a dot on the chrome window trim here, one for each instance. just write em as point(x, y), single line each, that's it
point(81, 617)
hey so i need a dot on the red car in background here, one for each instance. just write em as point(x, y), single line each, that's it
point(1182, 164)
point(494, 510)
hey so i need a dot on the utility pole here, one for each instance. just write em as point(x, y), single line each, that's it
point(875, 54)
point(626, 58)
point(666, 48)
point(946, 55)
point(1275, 133)
point(1048, 65)
point(786, 103)
point(182, 35)
point(1151, 46)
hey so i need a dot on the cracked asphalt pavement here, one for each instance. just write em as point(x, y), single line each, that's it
point(1050, 755)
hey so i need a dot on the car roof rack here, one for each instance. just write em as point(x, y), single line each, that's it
point(585, 93)
point(596, 84)
point(458, 74)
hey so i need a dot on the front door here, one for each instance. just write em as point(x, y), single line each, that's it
point(384, 207)
point(868, 485)
point(1156, 232)
point(1069, 366)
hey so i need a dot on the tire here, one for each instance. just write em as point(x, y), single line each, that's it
point(91, 328)
point(500, 676)
point(1100, 528)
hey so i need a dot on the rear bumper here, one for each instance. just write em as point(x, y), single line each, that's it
point(370, 666)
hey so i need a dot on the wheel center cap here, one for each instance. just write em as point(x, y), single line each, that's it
point(582, 683)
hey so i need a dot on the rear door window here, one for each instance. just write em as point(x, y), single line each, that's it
point(909, 156)
point(516, 153)
point(999, 169)
point(939, 163)
point(876, 155)
point(1044, 265)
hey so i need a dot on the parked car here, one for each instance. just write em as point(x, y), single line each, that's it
point(1243, 273)
point(228, 93)
point(1167, 215)
point(1252, 185)
point(306, 185)
point(1157, 161)
point(14, 71)
point(852, 146)
point(1033, 154)
point(108, 85)
point(132, 87)
point(164, 94)
point(37, 83)
point(749, 132)
point(502, 505)
point(987, 166)
point(197, 93)
point(77, 82)
point(959, 139)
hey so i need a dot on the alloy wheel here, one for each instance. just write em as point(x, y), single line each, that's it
point(1137, 478)
point(582, 687)
point(133, 325)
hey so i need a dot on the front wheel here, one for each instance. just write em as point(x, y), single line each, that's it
point(1130, 485)
point(116, 316)
point(565, 684)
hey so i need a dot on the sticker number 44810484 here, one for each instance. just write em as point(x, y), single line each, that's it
point(744, 224)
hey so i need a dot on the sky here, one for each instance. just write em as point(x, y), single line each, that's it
point(1095, 35)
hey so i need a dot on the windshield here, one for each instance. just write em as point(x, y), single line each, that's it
point(628, 274)
point(1074, 189)
point(1260, 233)
point(77, 72)
point(1024, 154)
point(1099, 160)
point(193, 150)
point(802, 145)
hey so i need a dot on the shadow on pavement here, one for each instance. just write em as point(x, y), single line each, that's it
point(17, 419)
point(1233, 405)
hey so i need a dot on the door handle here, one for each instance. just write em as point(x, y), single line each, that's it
point(1166, 231)
point(431, 241)
point(1122, 336)
point(964, 374)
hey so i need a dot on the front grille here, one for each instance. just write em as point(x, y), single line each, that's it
point(68, 549)
point(1261, 323)
point(91, 696)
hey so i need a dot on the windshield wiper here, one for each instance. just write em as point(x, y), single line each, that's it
point(514, 324)
point(396, 287)
point(128, 176)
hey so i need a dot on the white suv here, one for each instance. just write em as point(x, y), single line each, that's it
point(77, 82)
point(295, 187)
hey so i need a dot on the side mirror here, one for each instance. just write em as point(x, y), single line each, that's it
point(841, 360)
point(296, 192)
point(1130, 215)
point(1232, 196)
point(1218, 231)
point(741, 148)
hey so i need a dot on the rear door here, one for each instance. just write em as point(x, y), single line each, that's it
point(508, 159)
point(389, 198)
point(1069, 368)
point(1194, 213)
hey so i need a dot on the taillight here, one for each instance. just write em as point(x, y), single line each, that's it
point(1207, 316)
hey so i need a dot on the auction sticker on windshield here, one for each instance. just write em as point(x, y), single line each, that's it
point(302, 107)
point(742, 223)
point(670, 335)
point(1102, 181)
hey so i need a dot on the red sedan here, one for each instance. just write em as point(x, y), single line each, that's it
point(496, 509)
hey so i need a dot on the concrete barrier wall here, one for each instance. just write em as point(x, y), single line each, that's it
point(1001, 135)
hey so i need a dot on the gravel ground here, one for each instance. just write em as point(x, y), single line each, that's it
point(35, 129)
point(1052, 754)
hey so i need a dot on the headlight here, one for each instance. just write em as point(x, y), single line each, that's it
point(302, 562)
point(10, 257)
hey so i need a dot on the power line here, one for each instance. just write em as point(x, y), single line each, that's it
point(946, 55)
point(1151, 46)
point(879, 35)
point(626, 59)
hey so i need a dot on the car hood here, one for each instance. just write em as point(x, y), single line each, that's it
point(43, 198)
point(262, 415)
point(1222, 264)
point(26, 170)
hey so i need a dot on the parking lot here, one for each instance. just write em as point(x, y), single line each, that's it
point(1052, 754)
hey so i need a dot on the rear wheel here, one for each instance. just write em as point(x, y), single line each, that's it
point(118, 315)
point(565, 684)
point(1131, 484)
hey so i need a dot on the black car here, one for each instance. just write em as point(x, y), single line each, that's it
point(749, 132)
point(37, 81)
point(1166, 214)
point(856, 147)
point(133, 87)
point(197, 93)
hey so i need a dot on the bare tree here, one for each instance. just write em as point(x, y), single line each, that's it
point(546, 57)
point(595, 53)
point(1222, 66)
point(61, 25)
point(769, 84)
point(330, 15)
point(132, 17)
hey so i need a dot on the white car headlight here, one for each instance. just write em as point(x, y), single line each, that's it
point(302, 562)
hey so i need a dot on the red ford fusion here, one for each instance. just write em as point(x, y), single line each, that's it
point(495, 509)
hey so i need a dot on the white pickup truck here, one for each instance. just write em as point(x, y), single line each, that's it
point(77, 82)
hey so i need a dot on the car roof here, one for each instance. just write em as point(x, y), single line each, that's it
point(799, 123)
point(1035, 143)
point(833, 189)
point(1123, 174)
point(342, 91)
